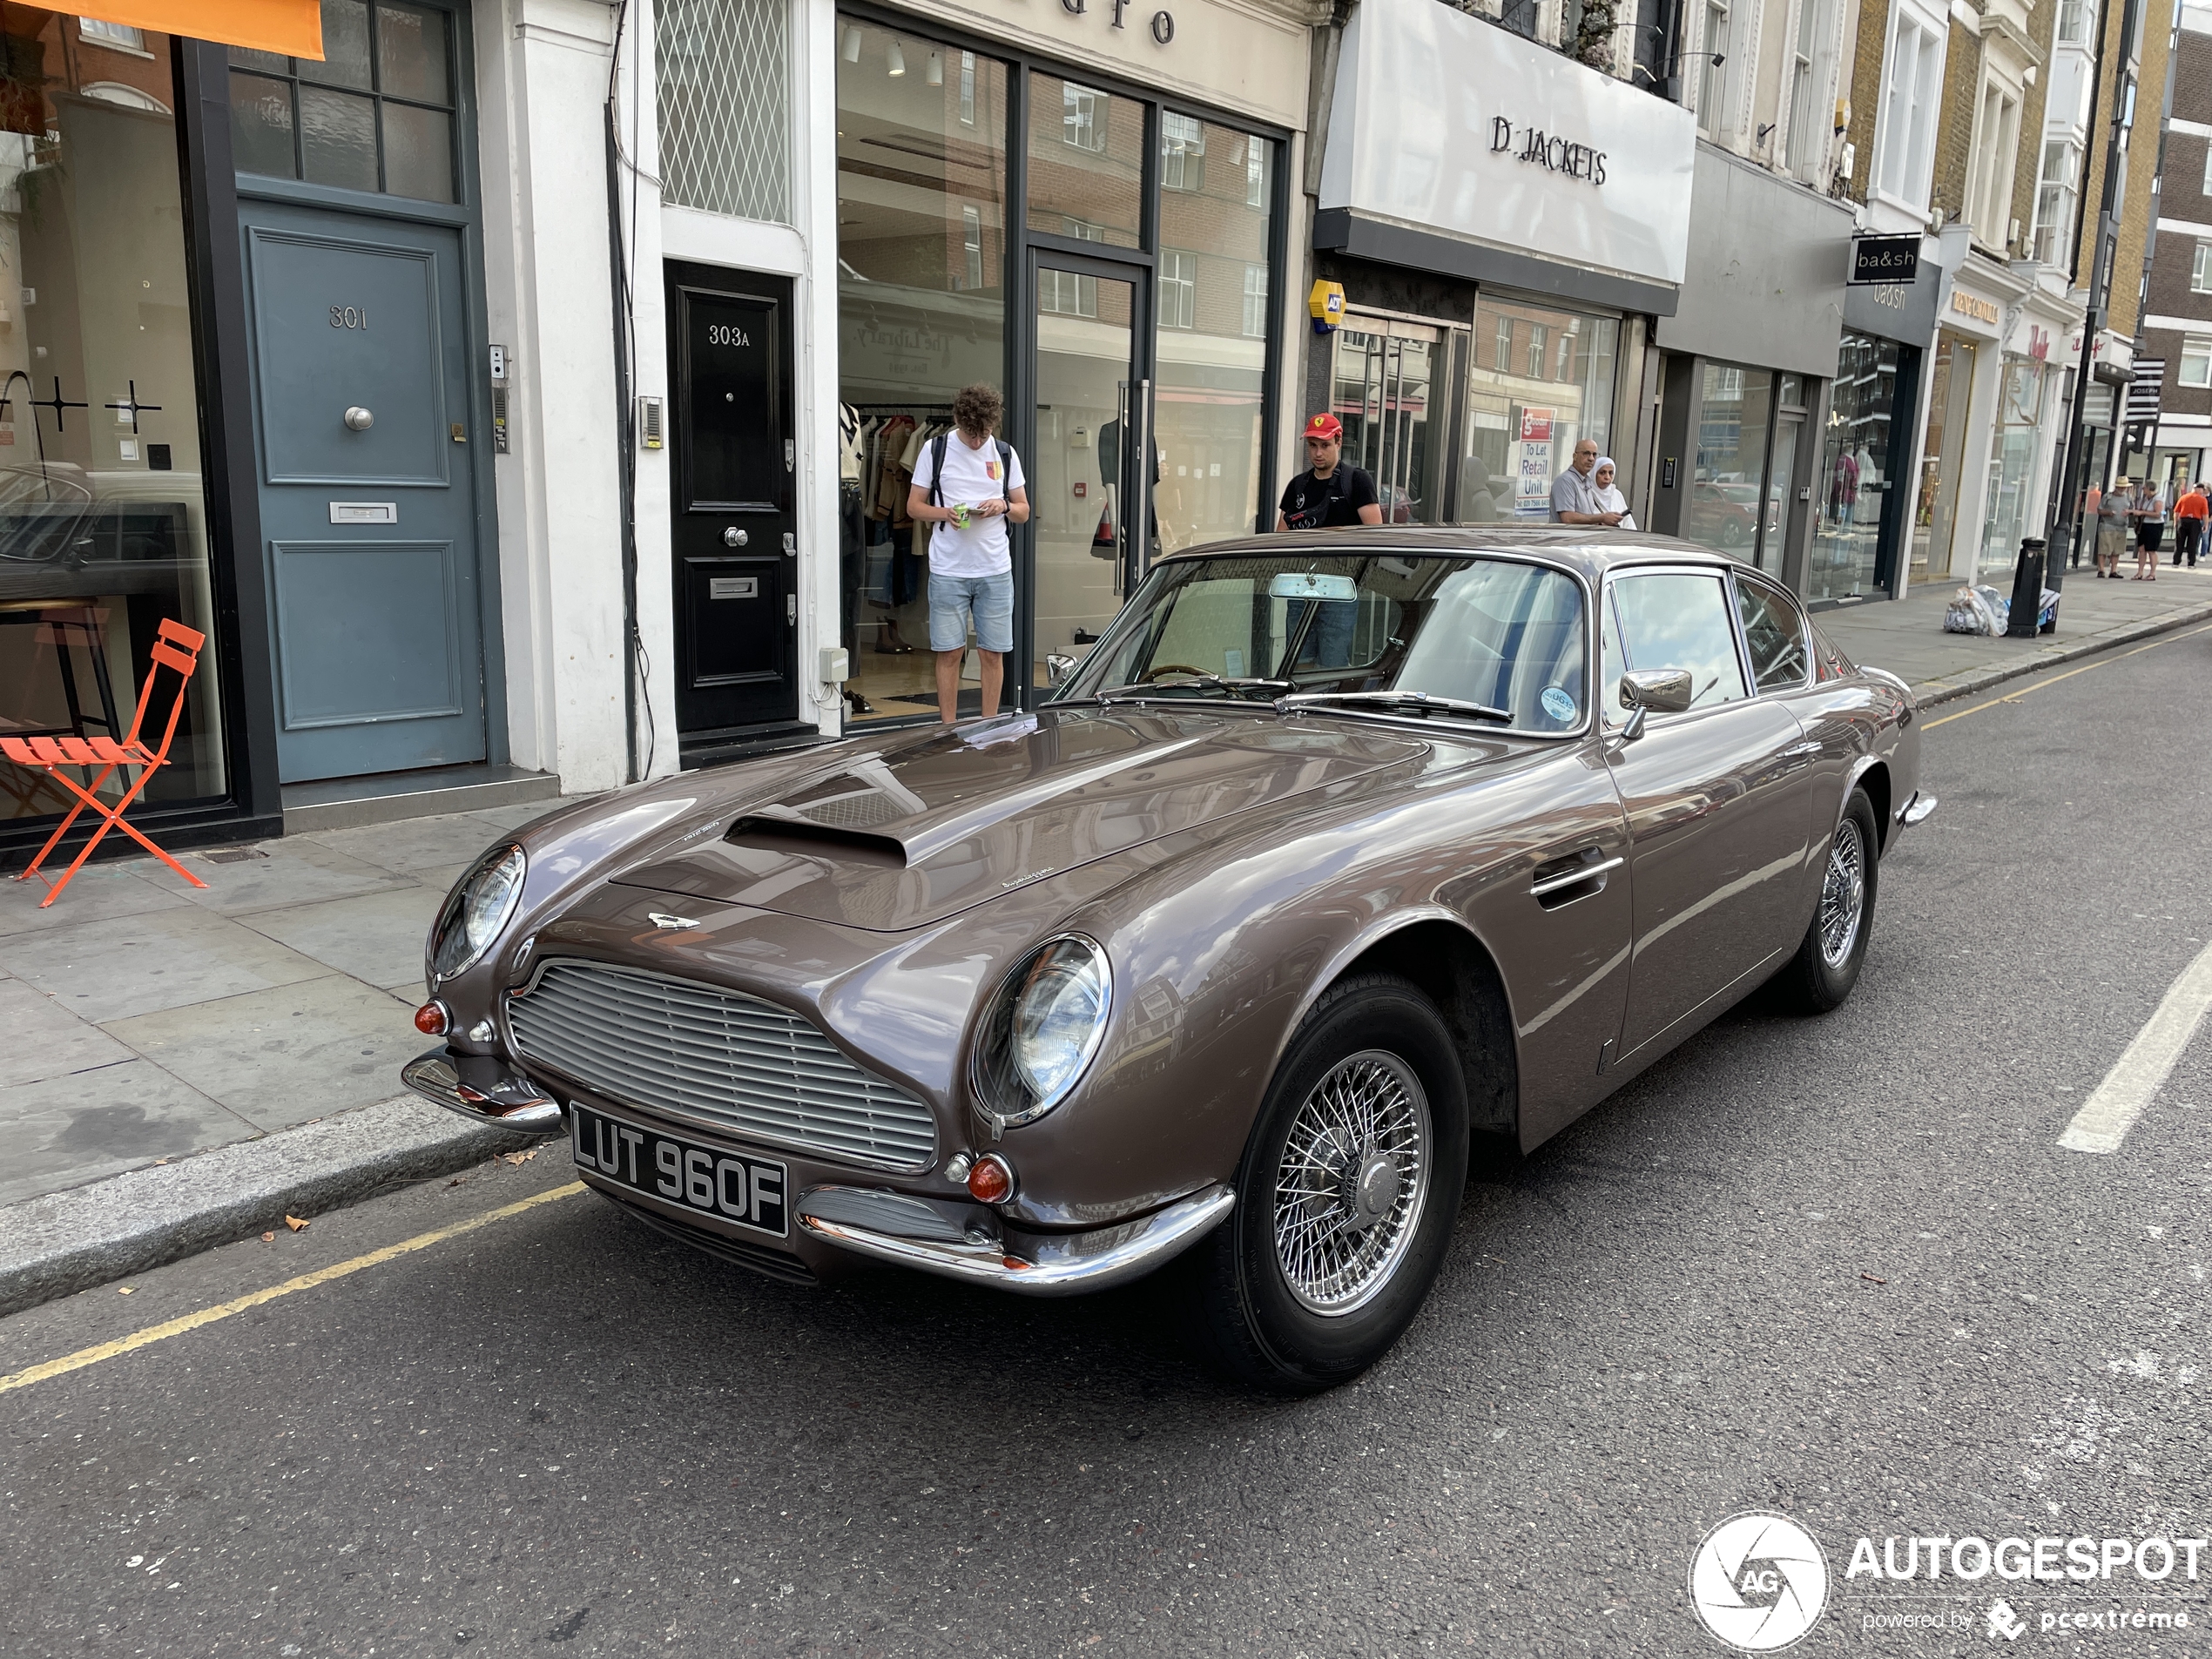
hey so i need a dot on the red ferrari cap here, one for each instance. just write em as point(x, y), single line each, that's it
point(1324, 426)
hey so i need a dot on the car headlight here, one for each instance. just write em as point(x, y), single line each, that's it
point(1044, 1026)
point(482, 904)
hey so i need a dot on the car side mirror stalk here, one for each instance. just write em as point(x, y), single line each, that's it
point(1653, 691)
point(1059, 668)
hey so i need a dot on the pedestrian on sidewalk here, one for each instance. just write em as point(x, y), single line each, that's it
point(2188, 524)
point(967, 484)
point(2146, 507)
point(2112, 529)
point(1575, 491)
point(1328, 494)
point(1607, 495)
point(2091, 499)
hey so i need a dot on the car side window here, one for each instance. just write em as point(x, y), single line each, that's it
point(1777, 637)
point(1679, 619)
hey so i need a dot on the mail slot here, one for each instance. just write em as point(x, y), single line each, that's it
point(733, 587)
point(364, 512)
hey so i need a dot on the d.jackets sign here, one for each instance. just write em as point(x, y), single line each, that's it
point(1547, 150)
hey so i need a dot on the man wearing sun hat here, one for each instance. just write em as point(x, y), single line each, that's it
point(1328, 494)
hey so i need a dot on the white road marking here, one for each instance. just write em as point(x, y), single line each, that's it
point(2105, 1118)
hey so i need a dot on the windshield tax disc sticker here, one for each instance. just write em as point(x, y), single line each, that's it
point(1557, 704)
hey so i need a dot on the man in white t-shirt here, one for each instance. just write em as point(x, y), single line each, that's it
point(971, 565)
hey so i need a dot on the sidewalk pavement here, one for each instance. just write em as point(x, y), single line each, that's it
point(149, 1022)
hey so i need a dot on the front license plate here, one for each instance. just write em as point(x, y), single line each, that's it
point(683, 1174)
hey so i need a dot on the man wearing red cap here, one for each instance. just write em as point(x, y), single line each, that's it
point(1328, 494)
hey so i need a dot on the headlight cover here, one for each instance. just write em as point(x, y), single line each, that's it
point(1043, 1027)
point(481, 905)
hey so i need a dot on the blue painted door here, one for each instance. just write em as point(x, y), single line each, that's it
point(366, 456)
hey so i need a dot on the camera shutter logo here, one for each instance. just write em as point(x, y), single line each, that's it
point(1758, 1581)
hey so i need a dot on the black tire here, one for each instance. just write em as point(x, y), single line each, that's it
point(1243, 1313)
point(1819, 977)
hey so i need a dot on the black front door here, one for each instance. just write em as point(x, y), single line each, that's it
point(735, 535)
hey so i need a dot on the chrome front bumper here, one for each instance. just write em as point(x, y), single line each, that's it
point(483, 1089)
point(893, 1228)
point(1916, 811)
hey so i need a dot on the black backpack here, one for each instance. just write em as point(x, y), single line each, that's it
point(937, 469)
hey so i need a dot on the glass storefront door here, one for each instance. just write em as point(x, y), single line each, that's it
point(1936, 507)
point(1391, 387)
point(1854, 478)
point(1096, 463)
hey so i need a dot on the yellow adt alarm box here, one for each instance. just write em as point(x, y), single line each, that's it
point(1326, 303)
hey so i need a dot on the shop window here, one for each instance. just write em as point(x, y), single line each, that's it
point(921, 273)
point(1515, 438)
point(1086, 159)
point(725, 71)
point(120, 36)
point(1183, 152)
point(1178, 289)
point(1905, 128)
point(1213, 344)
point(2055, 193)
point(1854, 480)
point(1729, 500)
point(2196, 361)
point(1255, 301)
point(374, 119)
point(104, 529)
point(2201, 269)
point(2012, 462)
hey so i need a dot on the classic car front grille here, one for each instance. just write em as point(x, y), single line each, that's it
point(717, 1056)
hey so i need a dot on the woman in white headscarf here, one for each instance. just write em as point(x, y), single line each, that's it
point(1608, 497)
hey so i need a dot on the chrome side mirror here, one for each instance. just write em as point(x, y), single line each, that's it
point(1653, 691)
point(1059, 668)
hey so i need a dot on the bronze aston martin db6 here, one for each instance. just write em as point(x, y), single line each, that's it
point(1335, 850)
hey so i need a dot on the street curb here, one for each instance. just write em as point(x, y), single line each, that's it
point(1929, 693)
point(65, 1241)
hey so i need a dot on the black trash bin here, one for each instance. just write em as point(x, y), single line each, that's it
point(2024, 620)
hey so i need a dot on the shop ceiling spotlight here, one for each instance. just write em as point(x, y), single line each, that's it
point(898, 60)
point(852, 52)
point(935, 76)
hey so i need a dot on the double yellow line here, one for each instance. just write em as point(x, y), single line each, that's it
point(2101, 662)
point(176, 1327)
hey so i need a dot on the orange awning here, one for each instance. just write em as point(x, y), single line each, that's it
point(292, 28)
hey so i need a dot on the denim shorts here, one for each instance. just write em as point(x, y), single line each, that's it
point(953, 599)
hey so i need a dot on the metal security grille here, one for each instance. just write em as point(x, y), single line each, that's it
point(713, 1055)
point(726, 106)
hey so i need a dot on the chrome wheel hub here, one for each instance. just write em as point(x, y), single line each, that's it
point(1843, 895)
point(1349, 1192)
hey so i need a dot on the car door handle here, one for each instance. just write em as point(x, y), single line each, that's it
point(1806, 748)
point(1574, 876)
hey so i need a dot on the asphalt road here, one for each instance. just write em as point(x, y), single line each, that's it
point(1837, 1269)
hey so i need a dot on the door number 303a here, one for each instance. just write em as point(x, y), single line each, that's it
point(349, 316)
point(719, 333)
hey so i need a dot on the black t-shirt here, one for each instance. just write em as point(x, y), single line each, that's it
point(1311, 503)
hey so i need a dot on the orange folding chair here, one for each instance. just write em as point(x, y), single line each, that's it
point(178, 648)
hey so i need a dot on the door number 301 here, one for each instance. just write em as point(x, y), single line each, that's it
point(349, 316)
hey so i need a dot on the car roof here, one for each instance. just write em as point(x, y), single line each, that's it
point(1591, 551)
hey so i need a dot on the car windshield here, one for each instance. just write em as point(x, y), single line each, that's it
point(1501, 638)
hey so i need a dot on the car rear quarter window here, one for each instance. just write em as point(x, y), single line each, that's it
point(1776, 634)
point(1679, 619)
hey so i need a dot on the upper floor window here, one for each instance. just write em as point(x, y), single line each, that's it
point(968, 89)
point(1808, 130)
point(971, 236)
point(1178, 289)
point(112, 34)
point(1566, 358)
point(2196, 361)
point(1535, 351)
point(1991, 201)
point(2201, 269)
point(1911, 89)
point(1183, 152)
point(2055, 193)
point(1712, 85)
point(1503, 360)
point(2074, 22)
point(1255, 174)
point(1255, 301)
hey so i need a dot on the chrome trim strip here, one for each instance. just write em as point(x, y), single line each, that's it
point(483, 1090)
point(1063, 1266)
point(1573, 878)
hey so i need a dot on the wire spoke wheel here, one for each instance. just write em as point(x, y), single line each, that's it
point(1843, 895)
point(1353, 1181)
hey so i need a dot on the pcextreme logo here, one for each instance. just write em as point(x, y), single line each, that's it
point(1758, 1581)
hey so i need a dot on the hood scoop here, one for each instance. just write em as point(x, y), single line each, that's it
point(904, 836)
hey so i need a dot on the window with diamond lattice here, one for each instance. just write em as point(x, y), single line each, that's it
point(726, 106)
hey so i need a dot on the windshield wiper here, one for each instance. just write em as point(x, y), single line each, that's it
point(1136, 690)
point(1395, 702)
